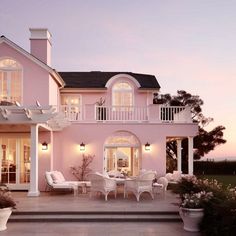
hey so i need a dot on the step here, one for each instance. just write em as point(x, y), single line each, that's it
point(95, 217)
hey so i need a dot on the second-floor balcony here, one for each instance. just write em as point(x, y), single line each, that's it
point(152, 113)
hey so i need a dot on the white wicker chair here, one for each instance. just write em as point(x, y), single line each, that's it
point(142, 183)
point(164, 182)
point(102, 184)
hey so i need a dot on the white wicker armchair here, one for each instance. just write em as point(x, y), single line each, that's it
point(103, 184)
point(142, 183)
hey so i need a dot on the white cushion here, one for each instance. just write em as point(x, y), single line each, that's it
point(49, 177)
point(57, 177)
point(176, 175)
point(169, 176)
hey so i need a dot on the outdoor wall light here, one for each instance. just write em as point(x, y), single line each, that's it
point(44, 146)
point(147, 147)
point(82, 147)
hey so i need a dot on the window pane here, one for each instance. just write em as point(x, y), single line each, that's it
point(10, 81)
point(122, 94)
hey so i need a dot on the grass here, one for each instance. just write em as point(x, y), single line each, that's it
point(224, 179)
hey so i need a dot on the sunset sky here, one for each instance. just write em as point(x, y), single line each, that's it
point(187, 44)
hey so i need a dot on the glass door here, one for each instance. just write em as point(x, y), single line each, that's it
point(8, 161)
point(123, 159)
point(15, 162)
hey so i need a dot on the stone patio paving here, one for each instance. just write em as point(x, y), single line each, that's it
point(68, 202)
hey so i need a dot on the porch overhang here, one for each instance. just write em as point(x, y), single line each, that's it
point(45, 116)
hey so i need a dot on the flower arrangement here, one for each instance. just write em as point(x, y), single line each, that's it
point(6, 199)
point(196, 200)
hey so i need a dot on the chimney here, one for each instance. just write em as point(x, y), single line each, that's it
point(40, 44)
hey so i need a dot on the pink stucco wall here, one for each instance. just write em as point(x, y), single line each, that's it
point(35, 78)
point(53, 92)
point(66, 143)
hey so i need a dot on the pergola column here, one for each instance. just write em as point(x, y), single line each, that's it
point(190, 155)
point(179, 155)
point(52, 151)
point(33, 190)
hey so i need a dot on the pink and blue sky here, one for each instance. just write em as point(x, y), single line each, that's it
point(187, 44)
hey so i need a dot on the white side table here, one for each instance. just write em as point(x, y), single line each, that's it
point(156, 187)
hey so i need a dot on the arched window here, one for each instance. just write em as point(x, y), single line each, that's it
point(122, 94)
point(10, 81)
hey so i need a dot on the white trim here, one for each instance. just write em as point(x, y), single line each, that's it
point(55, 75)
point(82, 90)
point(115, 77)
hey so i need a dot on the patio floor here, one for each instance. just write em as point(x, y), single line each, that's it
point(68, 202)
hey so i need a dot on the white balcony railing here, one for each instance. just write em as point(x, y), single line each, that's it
point(151, 113)
point(124, 113)
point(175, 114)
point(72, 112)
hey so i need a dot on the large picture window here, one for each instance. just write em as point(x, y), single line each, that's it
point(122, 94)
point(10, 81)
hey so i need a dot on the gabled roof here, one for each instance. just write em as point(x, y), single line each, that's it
point(33, 58)
point(98, 79)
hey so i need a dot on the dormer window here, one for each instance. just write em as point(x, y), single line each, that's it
point(122, 94)
point(10, 81)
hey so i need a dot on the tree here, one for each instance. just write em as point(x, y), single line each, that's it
point(205, 141)
point(80, 172)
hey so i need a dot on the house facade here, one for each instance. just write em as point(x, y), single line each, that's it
point(49, 119)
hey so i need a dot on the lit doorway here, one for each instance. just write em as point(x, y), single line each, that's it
point(15, 162)
point(122, 153)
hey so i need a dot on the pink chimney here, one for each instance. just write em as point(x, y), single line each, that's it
point(40, 44)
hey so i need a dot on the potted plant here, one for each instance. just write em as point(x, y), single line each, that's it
point(194, 195)
point(6, 206)
point(101, 111)
point(192, 209)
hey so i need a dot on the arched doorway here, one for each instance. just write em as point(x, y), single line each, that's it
point(122, 153)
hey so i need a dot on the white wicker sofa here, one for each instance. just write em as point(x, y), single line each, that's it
point(56, 181)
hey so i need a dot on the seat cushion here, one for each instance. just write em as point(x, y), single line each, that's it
point(49, 178)
point(57, 177)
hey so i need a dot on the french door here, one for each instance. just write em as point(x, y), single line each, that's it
point(123, 159)
point(15, 162)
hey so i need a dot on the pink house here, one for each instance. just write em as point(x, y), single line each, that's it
point(111, 113)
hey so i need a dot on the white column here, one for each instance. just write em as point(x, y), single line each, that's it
point(33, 190)
point(179, 155)
point(190, 155)
point(51, 151)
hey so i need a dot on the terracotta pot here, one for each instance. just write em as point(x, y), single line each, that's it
point(4, 216)
point(191, 218)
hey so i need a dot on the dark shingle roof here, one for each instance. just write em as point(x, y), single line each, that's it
point(98, 79)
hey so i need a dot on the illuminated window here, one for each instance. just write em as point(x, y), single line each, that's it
point(122, 94)
point(10, 81)
point(71, 105)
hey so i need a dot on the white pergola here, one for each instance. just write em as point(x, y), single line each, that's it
point(34, 117)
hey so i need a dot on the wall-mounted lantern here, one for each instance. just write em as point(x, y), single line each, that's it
point(82, 147)
point(147, 147)
point(44, 146)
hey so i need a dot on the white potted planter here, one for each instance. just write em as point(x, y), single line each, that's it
point(4, 216)
point(6, 206)
point(191, 218)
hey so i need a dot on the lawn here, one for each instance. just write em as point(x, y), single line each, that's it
point(224, 179)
